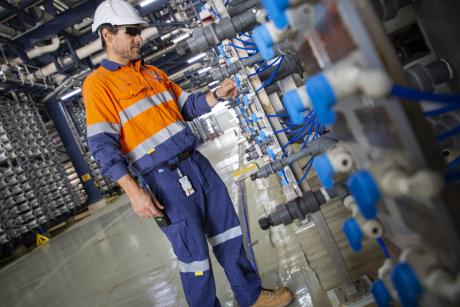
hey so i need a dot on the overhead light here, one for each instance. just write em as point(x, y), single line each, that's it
point(212, 83)
point(196, 58)
point(180, 38)
point(72, 93)
point(203, 70)
point(146, 2)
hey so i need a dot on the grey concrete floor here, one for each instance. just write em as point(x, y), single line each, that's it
point(114, 258)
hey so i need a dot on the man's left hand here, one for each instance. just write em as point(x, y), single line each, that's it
point(227, 89)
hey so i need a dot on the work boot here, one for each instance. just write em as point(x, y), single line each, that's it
point(274, 298)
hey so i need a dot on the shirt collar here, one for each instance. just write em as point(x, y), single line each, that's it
point(112, 66)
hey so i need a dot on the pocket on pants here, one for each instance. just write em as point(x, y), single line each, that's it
point(176, 235)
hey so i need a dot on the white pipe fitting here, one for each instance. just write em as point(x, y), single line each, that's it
point(370, 228)
point(41, 50)
point(340, 158)
point(276, 34)
point(349, 78)
point(422, 185)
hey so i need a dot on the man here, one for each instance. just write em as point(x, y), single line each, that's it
point(136, 114)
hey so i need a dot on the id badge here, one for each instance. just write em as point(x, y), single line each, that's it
point(185, 184)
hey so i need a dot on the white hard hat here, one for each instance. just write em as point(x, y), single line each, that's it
point(116, 12)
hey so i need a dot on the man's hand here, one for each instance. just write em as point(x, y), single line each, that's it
point(144, 204)
point(227, 89)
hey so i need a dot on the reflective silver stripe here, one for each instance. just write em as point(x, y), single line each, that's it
point(182, 99)
point(195, 266)
point(225, 236)
point(144, 104)
point(161, 136)
point(105, 127)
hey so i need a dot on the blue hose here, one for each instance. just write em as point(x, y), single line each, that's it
point(272, 76)
point(298, 133)
point(310, 162)
point(282, 130)
point(245, 35)
point(264, 68)
point(250, 55)
point(408, 93)
point(449, 133)
point(442, 110)
point(311, 125)
point(277, 115)
point(245, 42)
point(243, 48)
point(384, 248)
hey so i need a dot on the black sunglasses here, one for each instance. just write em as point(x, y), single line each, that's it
point(132, 31)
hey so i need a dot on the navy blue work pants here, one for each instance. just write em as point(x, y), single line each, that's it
point(206, 215)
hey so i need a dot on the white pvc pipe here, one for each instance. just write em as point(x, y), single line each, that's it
point(85, 52)
point(38, 51)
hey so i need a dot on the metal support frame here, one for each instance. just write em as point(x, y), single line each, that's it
point(24, 17)
point(62, 122)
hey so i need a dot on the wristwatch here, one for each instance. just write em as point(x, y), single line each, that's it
point(220, 99)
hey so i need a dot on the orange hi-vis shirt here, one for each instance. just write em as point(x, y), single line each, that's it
point(136, 115)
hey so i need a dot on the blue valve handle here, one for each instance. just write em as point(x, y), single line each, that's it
point(381, 294)
point(294, 106)
point(353, 234)
point(264, 42)
point(324, 170)
point(365, 192)
point(322, 98)
point(407, 285)
point(276, 10)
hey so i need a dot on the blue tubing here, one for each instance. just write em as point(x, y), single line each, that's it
point(272, 76)
point(448, 134)
point(408, 93)
point(243, 48)
point(306, 172)
point(384, 248)
point(245, 42)
point(442, 110)
point(277, 115)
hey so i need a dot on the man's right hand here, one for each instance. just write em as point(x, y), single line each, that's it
point(145, 205)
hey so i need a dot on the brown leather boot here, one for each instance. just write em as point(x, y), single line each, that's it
point(274, 298)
